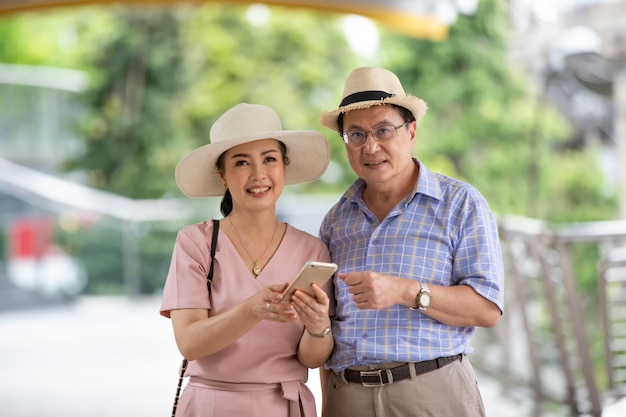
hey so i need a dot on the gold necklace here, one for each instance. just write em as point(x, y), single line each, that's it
point(256, 269)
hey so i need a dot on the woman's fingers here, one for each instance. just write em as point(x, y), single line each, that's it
point(283, 312)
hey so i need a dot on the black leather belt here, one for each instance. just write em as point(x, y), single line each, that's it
point(379, 377)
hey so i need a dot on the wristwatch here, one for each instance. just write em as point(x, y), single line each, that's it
point(423, 298)
point(324, 333)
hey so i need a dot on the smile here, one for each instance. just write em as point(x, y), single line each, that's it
point(258, 190)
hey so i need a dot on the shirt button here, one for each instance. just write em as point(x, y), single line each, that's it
point(364, 336)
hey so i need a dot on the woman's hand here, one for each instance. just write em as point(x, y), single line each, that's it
point(313, 351)
point(267, 305)
point(313, 311)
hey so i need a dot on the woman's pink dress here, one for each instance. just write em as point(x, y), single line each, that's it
point(259, 374)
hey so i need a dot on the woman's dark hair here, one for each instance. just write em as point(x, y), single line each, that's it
point(226, 205)
point(406, 114)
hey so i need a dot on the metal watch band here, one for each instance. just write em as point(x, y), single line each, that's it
point(324, 333)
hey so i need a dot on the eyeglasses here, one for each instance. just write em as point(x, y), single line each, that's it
point(358, 137)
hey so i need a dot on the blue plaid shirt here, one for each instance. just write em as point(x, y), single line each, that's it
point(442, 233)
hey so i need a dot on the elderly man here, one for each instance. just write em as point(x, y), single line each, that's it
point(420, 266)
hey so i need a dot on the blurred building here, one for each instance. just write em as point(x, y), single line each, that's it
point(37, 115)
point(575, 51)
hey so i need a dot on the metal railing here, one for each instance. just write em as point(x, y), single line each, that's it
point(545, 347)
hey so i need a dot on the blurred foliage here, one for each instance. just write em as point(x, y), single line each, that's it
point(103, 247)
point(485, 126)
point(99, 248)
point(160, 76)
point(156, 249)
point(133, 125)
point(58, 40)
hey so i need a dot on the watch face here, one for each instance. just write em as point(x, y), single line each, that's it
point(424, 299)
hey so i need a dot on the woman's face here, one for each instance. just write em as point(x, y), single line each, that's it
point(255, 174)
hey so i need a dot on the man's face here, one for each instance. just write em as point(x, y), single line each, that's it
point(381, 161)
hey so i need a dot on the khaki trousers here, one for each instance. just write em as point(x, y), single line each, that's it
point(450, 391)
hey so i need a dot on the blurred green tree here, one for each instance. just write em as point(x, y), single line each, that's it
point(486, 126)
point(139, 78)
point(164, 74)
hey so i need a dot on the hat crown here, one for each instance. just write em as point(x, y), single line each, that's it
point(372, 79)
point(245, 120)
point(372, 86)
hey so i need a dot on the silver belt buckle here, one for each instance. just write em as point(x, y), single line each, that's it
point(376, 373)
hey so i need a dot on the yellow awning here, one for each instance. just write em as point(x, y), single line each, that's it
point(411, 17)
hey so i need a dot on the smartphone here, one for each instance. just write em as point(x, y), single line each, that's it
point(311, 272)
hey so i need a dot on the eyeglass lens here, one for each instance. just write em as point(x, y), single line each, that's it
point(358, 137)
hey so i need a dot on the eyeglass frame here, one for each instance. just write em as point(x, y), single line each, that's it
point(344, 135)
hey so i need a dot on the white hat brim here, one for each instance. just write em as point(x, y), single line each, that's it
point(308, 152)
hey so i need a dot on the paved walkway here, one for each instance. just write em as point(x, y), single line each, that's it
point(111, 357)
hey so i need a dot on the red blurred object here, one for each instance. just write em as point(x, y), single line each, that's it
point(30, 237)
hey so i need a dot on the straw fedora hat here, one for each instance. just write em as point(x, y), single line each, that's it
point(308, 151)
point(371, 86)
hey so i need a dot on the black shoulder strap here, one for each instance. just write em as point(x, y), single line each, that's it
point(209, 281)
point(209, 278)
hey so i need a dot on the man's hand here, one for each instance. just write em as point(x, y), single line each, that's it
point(371, 290)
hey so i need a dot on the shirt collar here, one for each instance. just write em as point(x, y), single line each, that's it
point(427, 184)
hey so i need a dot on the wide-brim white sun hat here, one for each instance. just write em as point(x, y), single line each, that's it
point(371, 86)
point(308, 150)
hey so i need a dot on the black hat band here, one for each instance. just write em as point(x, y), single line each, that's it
point(364, 96)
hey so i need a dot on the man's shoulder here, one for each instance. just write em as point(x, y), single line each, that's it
point(455, 186)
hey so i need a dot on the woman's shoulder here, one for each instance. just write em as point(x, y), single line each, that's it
point(197, 230)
